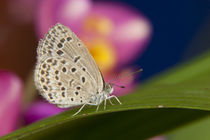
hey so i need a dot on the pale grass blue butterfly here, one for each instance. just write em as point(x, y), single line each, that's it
point(66, 74)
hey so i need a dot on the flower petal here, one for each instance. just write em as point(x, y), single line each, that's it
point(10, 98)
point(40, 110)
point(67, 12)
point(131, 31)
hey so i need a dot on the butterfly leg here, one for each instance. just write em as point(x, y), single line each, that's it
point(79, 110)
point(113, 96)
point(105, 104)
point(98, 105)
point(97, 108)
point(110, 101)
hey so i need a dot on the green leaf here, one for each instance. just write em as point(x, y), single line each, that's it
point(165, 102)
point(199, 130)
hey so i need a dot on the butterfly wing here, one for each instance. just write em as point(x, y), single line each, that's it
point(63, 83)
point(59, 46)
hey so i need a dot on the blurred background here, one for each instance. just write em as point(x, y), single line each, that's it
point(122, 36)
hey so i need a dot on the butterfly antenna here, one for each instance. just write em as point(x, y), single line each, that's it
point(117, 77)
point(118, 85)
point(130, 74)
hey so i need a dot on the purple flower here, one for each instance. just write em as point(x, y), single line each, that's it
point(114, 33)
point(127, 29)
point(40, 110)
point(10, 98)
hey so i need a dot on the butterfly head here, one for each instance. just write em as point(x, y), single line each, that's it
point(109, 88)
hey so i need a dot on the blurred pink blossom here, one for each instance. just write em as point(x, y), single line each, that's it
point(129, 30)
point(40, 110)
point(10, 98)
point(124, 29)
point(114, 33)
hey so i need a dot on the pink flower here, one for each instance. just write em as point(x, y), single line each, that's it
point(40, 110)
point(114, 33)
point(127, 30)
point(10, 98)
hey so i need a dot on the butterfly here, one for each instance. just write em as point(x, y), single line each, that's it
point(66, 74)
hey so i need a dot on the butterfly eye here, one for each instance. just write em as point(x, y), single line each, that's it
point(108, 86)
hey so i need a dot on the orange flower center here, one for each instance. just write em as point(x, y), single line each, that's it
point(98, 24)
point(97, 29)
point(103, 53)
